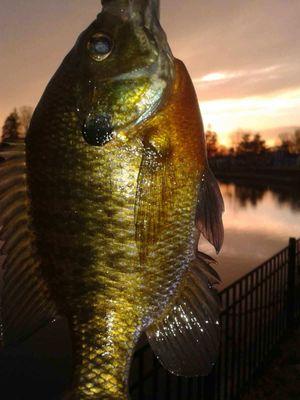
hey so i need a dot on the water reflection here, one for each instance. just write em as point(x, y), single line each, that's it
point(253, 194)
point(258, 221)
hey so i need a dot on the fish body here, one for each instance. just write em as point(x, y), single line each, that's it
point(116, 175)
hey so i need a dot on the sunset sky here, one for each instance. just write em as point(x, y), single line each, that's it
point(243, 55)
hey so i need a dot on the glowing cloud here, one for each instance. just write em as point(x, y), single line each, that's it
point(228, 115)
point(218, 77)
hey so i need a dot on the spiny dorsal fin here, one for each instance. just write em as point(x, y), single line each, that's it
point(210, 207)
point(186, 337)
point(25, 299)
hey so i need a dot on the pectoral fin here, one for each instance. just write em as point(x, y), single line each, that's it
point(25, 299)
point(210, 207)
point(154, 193)
point(186, 337)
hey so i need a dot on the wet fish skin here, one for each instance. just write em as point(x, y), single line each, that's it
point(85, 220)
point(114, 225)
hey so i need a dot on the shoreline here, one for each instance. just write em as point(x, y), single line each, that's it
point(276, 177)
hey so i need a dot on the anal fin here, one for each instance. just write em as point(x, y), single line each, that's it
point(186, 337)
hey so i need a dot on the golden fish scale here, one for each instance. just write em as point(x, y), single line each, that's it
point(109, 282)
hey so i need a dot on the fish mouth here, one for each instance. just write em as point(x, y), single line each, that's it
point(98, 130)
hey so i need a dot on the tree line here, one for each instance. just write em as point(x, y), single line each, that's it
point(248, 143)
point(16, 124)
point(249, 152)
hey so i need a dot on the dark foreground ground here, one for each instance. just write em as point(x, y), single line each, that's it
point(41, 368)
point(281, 379)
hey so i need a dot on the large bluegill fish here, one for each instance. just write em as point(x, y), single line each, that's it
point(102, 209)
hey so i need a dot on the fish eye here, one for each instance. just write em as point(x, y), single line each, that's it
point(100, 46)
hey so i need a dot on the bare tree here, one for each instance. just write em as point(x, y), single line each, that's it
point(235, 138)
point(287, 142)
point(25, 114)
point(211, 143)
point(297, 141)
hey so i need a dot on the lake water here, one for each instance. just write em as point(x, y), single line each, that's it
point(258, 222)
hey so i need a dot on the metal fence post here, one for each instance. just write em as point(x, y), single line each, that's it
point(291, 282)
point(209, 389)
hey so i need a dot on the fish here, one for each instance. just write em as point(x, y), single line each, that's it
point(103, 206)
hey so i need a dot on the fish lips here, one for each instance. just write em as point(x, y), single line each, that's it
point(97, 130)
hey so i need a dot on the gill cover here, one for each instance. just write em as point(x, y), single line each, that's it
point(129, 67)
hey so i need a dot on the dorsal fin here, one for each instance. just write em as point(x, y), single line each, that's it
point(25, 299)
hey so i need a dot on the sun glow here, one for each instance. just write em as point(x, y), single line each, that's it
point(251, 113)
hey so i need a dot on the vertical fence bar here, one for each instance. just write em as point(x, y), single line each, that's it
point(285, 297)
point(260, 308)
point(275, 296)
point(278, 305)
point(190, 388)
point(270, 296)
point(209, 386)
point(179, 387)
point(291, 282)
point(281, 303)
point(257, 322)
point(239, 341)
point(298, 280)
point(251, 330)
point(265, 304)
point(226, 350)
point(247, 336)
point(233, 344)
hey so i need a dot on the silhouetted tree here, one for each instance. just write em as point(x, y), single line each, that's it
point(25, 114)
point(235, 139)
point(286, 144)
point(211, 143)
point(297, 140)
point(10, 129)
point(231, 151)
point(258, 144)
point(16, 124)
point(248, 145)
point(290, 142)
point(244, 146)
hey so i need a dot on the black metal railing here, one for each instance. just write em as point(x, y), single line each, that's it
point(258, 310)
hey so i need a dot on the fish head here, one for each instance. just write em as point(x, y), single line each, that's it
point(125, 69)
